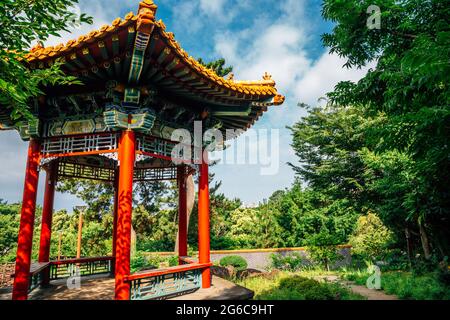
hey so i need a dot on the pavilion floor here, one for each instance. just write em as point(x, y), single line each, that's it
point(101, 288)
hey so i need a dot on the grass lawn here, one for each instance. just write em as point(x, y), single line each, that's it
point(405, 285)
point(296, 286)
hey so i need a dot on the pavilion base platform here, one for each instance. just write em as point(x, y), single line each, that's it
point(102, 288)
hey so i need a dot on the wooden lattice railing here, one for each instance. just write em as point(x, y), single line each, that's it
point(86, 267)
point(166, 283)
point(63, 269)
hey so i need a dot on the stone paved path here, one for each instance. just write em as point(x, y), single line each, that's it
point(368, 293)
point(358, 289)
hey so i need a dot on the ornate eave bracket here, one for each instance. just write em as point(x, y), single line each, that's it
point(139, 122)
point(30, 129)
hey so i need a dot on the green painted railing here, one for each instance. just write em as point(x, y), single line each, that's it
point(83, 267)
point(165, 283)
point(63, 269)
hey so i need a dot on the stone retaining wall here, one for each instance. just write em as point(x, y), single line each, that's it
point(261, 259)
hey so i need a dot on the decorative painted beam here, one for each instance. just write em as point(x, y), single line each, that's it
point(230, 111)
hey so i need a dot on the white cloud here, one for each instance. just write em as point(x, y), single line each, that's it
point(212, 7)
point(103, 13)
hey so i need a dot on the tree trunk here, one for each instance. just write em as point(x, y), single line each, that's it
point(409, 245)
point(424, 240)
point(190, 194)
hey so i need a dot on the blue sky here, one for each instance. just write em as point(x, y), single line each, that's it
point(281, 37)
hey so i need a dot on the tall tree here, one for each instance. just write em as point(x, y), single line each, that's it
point(409, 90)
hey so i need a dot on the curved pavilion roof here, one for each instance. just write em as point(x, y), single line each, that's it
point(112, 53)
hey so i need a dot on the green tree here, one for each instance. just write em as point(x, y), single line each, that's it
point(371, 238)
point(24, 22)
point(326, 142)
point(409, 90)
point(218, 66)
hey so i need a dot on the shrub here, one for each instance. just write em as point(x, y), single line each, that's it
point(173, 261)
point(287, 287)
point(309, 288)
point(291, 262)
point(371, 238)
point(322, 248)
point(237, 262)
point(138, 262)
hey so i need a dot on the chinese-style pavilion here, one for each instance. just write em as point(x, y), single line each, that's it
point(138, 86)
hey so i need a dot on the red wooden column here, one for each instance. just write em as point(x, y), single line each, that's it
point(182, 213)
point(116, 206)
point(127, 155)
point(204, 221)
point(25, 239)
point(115, 212)
point(47, 215)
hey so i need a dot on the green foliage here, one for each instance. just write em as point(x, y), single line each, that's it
point(405, 285)
point(406, 101)
point(291, 262)
point(322, 253)
point(371, 238)
point(139, 262)
point(23, 22)
point(218, 66)
point(237, 262)
point(287, 286)
point(9, 226)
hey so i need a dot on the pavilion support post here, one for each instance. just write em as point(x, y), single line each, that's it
point(204, 221)
point(182, 213)
point(127, 152)
point(47, 215)
point(25, 239)
point(115, 213)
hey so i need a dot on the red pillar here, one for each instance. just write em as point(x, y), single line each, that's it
point(25, 238)
point(125, 196)
point(116, 206)
point(204, 221)
point(182, 212)
point(47, 215)
point(47, 212)
point(115, 214)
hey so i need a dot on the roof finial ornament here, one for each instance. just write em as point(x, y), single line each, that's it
point(267, 76)
point(231, 76)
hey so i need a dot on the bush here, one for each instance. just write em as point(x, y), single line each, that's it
point(150, 245)
point(173, 261)
point(287, 287)
point(324, 256)
point(291, 262)
point(237, 262)
point(138, 262)
point(371, 238)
